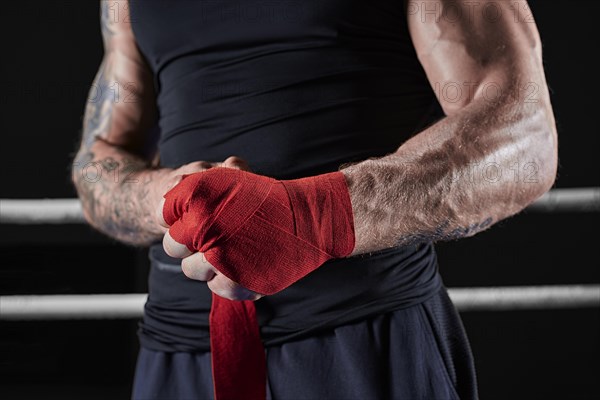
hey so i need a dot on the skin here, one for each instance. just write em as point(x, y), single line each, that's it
point(494, 153)
point(115, 170)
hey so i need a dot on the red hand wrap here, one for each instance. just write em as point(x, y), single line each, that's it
point(262, 233)
point(265, 235)
point(237, 355)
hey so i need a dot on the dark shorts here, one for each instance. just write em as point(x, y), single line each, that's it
point(420, 352)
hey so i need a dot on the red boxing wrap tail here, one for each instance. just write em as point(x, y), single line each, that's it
point(264, 234)
point(237, 355)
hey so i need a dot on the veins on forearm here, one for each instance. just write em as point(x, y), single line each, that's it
point(436, 186)
point(401, 203)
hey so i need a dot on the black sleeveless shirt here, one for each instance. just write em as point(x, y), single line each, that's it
point(296, 88)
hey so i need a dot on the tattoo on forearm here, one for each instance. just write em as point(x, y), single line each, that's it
point(99, 108)
point(444, 232)
point(100, 105)
point(109, 164)
point(114, 201)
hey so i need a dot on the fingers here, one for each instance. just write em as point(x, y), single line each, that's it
point(196, 166)
point(175, 180)
point(237, 163)
point(225, 287)
point(174, 248)
point(176, 198)
point(197, 267)
point(194, 264)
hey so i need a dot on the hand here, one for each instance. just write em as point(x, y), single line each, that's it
point(164, 179)
point(194, 264)
point(261, 233)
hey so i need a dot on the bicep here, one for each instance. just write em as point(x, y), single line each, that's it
point(475, 50)
point(121, 107)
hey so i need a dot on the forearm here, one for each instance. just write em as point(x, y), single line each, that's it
point(111, 172)
point(456, 178)
point(112, 179)
point(114, 187)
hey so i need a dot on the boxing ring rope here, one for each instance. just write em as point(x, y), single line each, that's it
point(68, 211)
point(127, 306)
point(41, 211)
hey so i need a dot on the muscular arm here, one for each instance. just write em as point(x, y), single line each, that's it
point(493, 154)
point(111, 173)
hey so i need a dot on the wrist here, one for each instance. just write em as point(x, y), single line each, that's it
point(149, 186)
point(327, 197)
point(362, 190)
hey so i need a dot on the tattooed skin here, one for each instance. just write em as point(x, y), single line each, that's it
point(445, 232)
point(113, 184)
point(434, 187)
point(109, 164)
point(98, 112)
point(115, 197)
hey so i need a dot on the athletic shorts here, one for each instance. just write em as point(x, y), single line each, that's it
point(419, 352)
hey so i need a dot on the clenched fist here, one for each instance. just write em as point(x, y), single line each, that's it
point(261, 233)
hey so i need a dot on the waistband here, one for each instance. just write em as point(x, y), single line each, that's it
point(341, 291)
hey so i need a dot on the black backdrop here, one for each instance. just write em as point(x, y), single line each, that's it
point(50, 53)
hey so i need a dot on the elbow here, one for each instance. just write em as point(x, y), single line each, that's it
point(87, 215)
point(86, 207)
point(549, 170)
point(84, 192)
point(543, 150)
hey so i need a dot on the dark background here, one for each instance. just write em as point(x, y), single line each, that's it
point(50, 53)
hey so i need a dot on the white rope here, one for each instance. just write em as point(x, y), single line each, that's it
point(124, 306)
point(91, 306)
point(525, 297)
point(568, 200)
point(66, 211)
point(40, 211)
